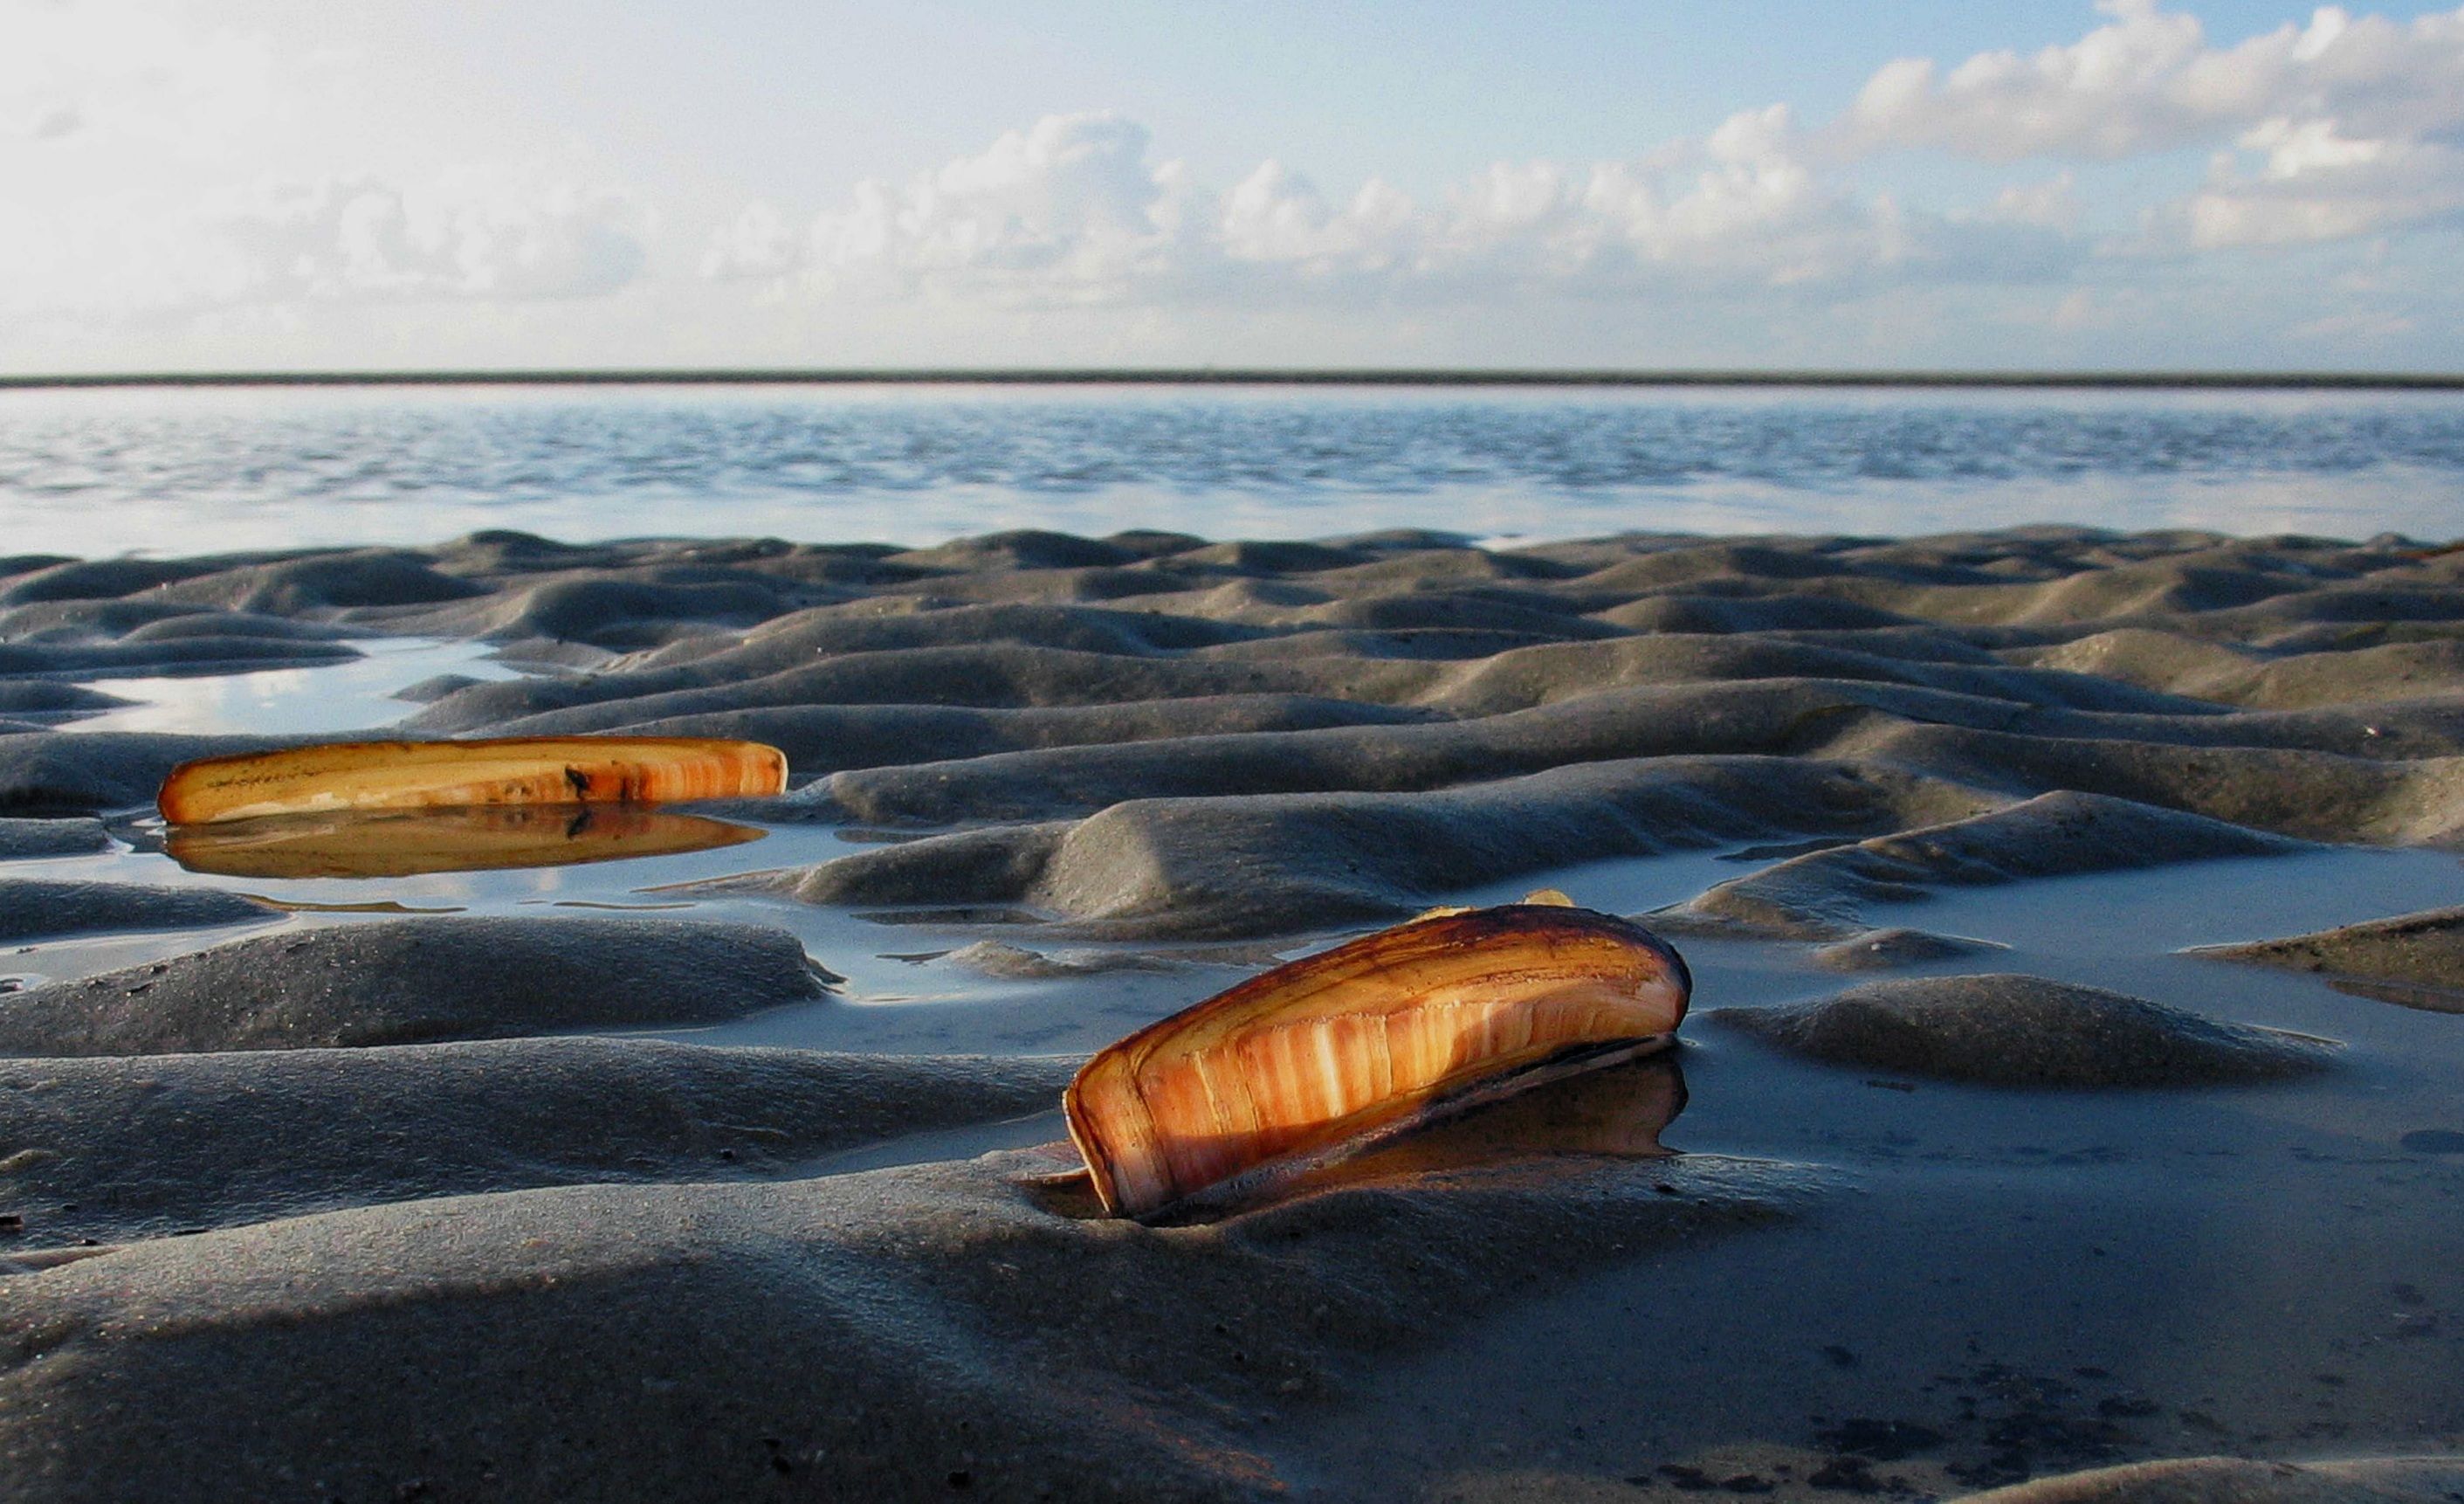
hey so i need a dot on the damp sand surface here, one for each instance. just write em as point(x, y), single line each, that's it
point(787, 1219)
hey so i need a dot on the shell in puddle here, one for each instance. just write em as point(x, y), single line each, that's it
point(506, 771)
point(1353, 1045)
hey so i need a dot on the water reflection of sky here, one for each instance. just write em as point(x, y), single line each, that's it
point(357, 695)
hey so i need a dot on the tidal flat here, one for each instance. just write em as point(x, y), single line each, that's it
point(2075, 1086)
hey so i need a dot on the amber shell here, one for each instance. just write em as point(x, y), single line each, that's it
point(1365, 1039)
point(503, 770)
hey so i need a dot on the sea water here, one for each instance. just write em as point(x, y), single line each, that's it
point(182, 471)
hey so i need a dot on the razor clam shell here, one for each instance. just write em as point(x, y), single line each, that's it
point(1365, 1040)
point(504, 770)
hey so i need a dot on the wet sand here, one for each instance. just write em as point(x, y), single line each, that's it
point(2073, 1079)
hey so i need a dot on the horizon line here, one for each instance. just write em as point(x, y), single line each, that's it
point(1254, 376)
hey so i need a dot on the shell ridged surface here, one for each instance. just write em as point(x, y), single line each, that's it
point(1362, 1038)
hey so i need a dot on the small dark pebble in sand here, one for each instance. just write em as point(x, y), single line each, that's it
point(1846, 1473)
point(1690, 1479)
point(2007, 1464)
point(1882, 1441)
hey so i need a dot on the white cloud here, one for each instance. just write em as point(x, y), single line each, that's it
point(2147, 81)
point(466, 236)
point(1066, 210)
point(166, 172)
point(1070, 211)
point(2349, 115)
point(462, 237)
point(2314, 185)
point(2053, 204)
point(2107, 94)
point(758, 242)
point(1276, 216)
point(156, 164)
point(2334, 128)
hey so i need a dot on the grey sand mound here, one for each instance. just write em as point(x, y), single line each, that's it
point(393, 981)
point(2012, 1030)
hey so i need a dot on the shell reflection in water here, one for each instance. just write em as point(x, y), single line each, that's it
point(406, 842)
point(1318, 1059)
point(1616, 1112)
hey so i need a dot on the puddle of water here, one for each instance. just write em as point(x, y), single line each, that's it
point(2161, 909)
point(356, 695)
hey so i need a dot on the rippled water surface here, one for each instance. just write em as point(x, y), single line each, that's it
point(103, 472)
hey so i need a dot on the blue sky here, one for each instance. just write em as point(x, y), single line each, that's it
point(273, 183)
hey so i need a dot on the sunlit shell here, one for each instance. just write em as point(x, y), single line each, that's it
point(509, 770)
point(1364, 1039)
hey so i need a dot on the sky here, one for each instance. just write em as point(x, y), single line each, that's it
point(296, 185)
